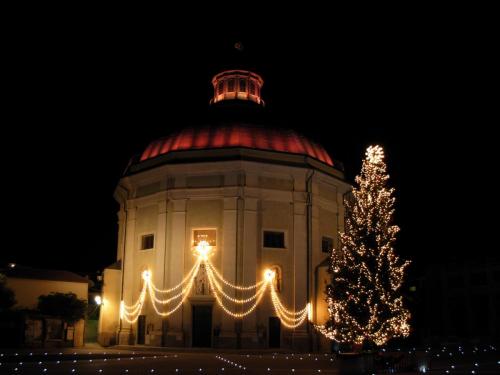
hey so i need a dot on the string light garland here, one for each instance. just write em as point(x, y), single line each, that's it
point(184, 294)
point(188, 276)
point(289, 318)
point(364, 300)
point(224, 307)
point(237, 287)
point(127, 311)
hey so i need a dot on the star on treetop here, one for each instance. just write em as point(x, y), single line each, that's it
point(375, 154)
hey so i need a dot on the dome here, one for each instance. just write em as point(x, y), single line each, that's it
point(237, 136)
point(236, 102)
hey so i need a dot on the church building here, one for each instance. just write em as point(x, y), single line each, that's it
point(225, 231)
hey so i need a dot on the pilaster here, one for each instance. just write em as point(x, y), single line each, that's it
point(251, 236)
point(126, 332)
point(175, 269)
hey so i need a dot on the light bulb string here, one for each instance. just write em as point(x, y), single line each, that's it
point(142, 295)
point(232, 299)
point(125, 315)
point(290, 314)
point(294, 325)
point(130, 321)
point(194, 269)
point(290, 322)
point(226, 309)
point(290, 319)
point(238, 287)
point(178, 295)
point(287, 318)
point(133, 312)
point(274, 295)
point(186, 294)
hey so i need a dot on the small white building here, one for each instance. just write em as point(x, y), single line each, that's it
point(262, 198)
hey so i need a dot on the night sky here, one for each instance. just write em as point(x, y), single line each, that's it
point(84, 96)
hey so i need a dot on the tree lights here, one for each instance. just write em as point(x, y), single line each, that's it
point(364, 302)
point(289, 318)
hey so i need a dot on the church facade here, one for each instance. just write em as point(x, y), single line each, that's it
point(260, 200)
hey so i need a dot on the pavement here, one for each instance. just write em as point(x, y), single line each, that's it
point(145, 360)
point(131, 362)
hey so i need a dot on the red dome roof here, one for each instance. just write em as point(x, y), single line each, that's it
point(237, 136)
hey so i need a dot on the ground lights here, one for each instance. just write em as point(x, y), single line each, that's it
point(289, 318)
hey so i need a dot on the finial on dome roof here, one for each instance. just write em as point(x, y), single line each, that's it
point(238, 46)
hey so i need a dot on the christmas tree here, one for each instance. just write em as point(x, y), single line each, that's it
point(364, 300)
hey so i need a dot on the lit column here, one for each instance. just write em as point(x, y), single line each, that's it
point(121, 232)
point(251, 236)
point(317, 257)
point(128, 295)
point(300, 270)
point(175, 267)
point(159, 266)
point(228, 261)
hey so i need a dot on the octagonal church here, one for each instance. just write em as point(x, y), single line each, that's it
point(224, 233)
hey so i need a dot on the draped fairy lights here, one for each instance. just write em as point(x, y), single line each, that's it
point(290, 319)
point(364, 298)
point(242, 308)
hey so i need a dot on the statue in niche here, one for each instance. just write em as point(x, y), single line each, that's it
point(202, 287)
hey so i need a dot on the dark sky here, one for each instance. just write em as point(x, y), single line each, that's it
point(86, 94)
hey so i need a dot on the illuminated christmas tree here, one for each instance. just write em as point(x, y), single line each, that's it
point(364, 299)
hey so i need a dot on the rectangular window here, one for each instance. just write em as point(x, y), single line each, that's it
point(209, 235)
point(230, 85)
point(326, 244)
point(243, 85)
point(220, 89)
point(147, 241)
point(274, 239)
point(251, 86)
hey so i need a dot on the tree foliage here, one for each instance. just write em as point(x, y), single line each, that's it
point(7, 296)
point(364, 299)
point(66, 306)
